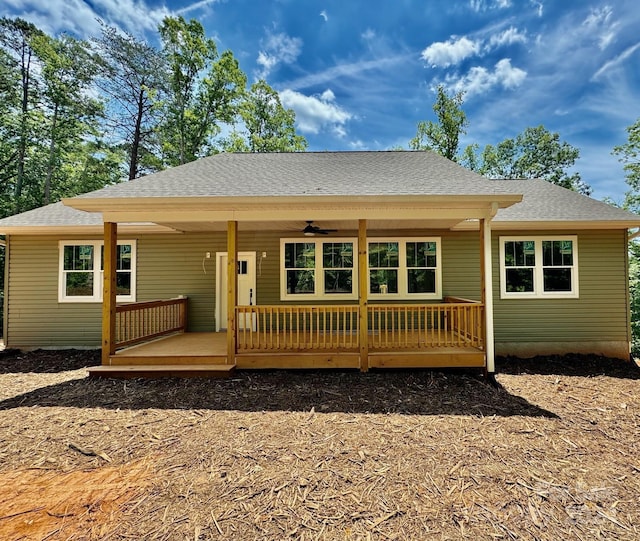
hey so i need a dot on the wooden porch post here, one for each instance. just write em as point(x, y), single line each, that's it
point(109, 292)
point(232, 290)
point(363, 317)
point(487, 292)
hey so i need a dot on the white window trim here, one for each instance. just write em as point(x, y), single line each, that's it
point(319, 268)
point(402, 270)
point(403, 287)
point(98, 273)
point(538, 283)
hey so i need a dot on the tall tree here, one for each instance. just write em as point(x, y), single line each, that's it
point(203, 92)
point(629, 154)
point(534, 153)
point(443, 136)
point(134, 79)
point(67, 71)
point(269, 127)
point(16, 37)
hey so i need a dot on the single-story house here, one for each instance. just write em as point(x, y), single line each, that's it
point(320, 259)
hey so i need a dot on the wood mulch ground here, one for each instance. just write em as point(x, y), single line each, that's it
point(551, 453)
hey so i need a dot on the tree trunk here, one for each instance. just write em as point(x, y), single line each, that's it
point(50, 162)
point(135, 144)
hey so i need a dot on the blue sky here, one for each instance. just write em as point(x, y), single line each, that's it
point(360, 75)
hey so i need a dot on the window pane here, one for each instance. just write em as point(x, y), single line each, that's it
point(338, 281)
point(337, 255)
point(421, 280)
point(300, 281)
point(383, 281)
point(519, 253)
point(124, 257)
point(519, 280)
point(421, 254)
point(79, 284)
point(123, 283)
point(557, 279)
point(383, 254)
point(79, 257)
point(299, 255)
point(557, 253)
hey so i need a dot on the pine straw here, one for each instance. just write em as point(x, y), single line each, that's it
point(549, 454)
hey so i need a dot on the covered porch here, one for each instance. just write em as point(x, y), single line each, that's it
point(362, 334)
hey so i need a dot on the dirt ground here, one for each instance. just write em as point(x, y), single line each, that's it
point(550, 453)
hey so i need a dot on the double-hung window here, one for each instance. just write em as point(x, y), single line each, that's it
point(82, 270)
point(327, 268)
point(405, 269)
point(318, 268)
point(539, 267)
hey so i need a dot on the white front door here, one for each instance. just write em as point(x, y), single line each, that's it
point(246, 286)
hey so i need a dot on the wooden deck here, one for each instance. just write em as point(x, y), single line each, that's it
point(204, 355)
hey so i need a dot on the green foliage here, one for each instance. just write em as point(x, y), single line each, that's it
point(269, 127)
point(629, 155)
point(204, 90)
point(443, 136)
point(534, 153)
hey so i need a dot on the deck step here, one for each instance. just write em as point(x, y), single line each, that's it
point(163, 371)
point(122, 359)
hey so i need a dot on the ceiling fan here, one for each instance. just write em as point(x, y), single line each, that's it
point(310, 230)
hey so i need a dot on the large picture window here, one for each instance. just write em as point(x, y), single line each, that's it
point(82, 270)
point(327, 268)
point(539, 267)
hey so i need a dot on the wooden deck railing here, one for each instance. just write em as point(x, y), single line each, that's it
point(416, 327)
point(390, 326)
point(297, 328)
point(141, 321)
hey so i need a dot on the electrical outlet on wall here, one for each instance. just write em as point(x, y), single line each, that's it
point(207, 255)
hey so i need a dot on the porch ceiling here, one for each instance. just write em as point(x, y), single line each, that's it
point(296, 226)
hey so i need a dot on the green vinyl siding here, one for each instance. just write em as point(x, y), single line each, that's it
point(172, 265)
point(599, 314)
point(461, 265)
point(35, 317)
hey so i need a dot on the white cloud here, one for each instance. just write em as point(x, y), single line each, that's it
point(599, 23)
point(480, 80)
point(485, 5)
point(277, 49)
point(196, 5)
point(79, 18)
point(368, 35)
point(508, 37)
point(539, 7)
point(617, 61)
point(316, 113)
point(324, 15)
point(453, 51)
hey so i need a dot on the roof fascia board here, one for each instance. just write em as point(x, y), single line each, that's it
point(565, 224)
point(189, 204)
point(123, 228)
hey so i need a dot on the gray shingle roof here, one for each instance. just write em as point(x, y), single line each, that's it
point(543, 201)
point(53, 215)
point(308, 174)
point(341, 174)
